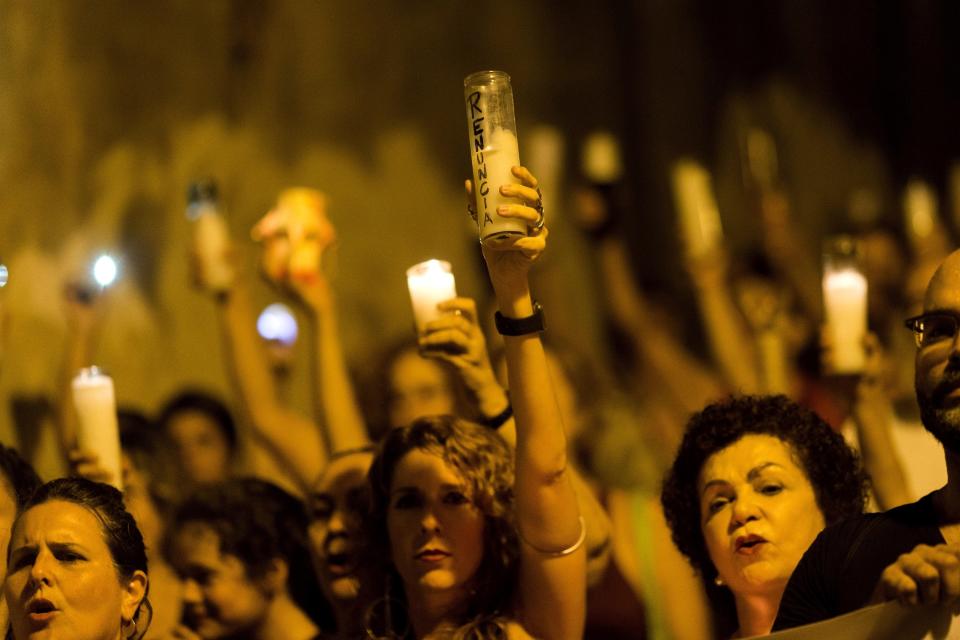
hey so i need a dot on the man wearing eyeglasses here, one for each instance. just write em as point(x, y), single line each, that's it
point(910, 553)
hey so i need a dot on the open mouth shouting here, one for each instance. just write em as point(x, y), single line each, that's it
point(41, 610)
point(749, 545)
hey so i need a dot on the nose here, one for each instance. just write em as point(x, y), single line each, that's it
point(191, 593)
point(744, 510)
point(429, 522)
point(41, 571)
point(337, 522)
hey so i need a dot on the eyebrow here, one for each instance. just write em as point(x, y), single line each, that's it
point(751, 475)
point(443, 487)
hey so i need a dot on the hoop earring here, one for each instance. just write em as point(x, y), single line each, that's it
point(387, 602)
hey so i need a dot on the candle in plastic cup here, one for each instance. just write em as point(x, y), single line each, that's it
point(97, 429)
point(430, 283)
point(494, 151)
point(845, 307)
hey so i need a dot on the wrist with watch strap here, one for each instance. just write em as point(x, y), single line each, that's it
point(534, 323)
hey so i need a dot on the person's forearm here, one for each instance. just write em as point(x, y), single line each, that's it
point(77, 354)
point(547, 509)
point(345, 426)
point(730, 342)
point(293, 440)
point(874, 417)
point(654, 346)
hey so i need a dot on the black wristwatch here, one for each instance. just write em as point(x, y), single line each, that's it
point(521, 326)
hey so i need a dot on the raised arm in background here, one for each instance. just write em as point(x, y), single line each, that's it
point(688, 381)
point(293, 440)
point(343, 422)
point(873, 416)
point(731, 345)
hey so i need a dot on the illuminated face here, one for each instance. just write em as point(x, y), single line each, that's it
point(938, 363)
point(758, 514)
point(219, 599)
point(202, 447)
point(336, 504)
point(418, 387)
point(62, 582)
point(435, 529)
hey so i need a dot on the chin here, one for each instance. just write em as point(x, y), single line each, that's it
point(438, 581)
point(762, 579)
point(345, 588)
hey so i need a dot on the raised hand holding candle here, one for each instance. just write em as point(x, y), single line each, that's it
point(97, 430)
point(699, 216)
point(845, 305)
point(430, 283)
point(492, 128)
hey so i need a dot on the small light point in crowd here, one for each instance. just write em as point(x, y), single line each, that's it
point(277, 322)
point(4, 275)
point(105, 270)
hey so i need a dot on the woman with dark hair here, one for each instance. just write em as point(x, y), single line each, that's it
point(484, 542)
point(755, 480)
point(241, 550)
point(203, 431)
point(77, 567)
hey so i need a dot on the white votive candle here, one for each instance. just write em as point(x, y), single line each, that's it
point(699, 216)
point(845, 307)
point(97, 430)
point(430, 283)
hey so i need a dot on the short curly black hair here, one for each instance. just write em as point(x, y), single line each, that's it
point(257, 522)
point(833, 468)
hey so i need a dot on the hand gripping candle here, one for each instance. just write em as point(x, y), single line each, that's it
point(844, 304)
point(492, 130)
point(97, 430)
point(430, 283)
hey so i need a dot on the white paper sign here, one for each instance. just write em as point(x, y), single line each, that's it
point(888, 621)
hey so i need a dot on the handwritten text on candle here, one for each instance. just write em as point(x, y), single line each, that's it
point(483, 187)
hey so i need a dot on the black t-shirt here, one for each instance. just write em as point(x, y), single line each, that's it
point(840, 570)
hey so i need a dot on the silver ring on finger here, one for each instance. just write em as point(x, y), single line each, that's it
point(538, 207)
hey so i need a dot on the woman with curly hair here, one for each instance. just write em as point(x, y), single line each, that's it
point(477, 541)
point(755, 480)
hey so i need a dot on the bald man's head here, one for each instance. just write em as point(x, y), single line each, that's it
point(937, 377)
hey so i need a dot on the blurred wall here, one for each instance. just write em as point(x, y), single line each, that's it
point(109, 108)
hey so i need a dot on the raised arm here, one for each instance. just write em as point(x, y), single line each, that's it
point(456, 337)
point(335, 397)
point(289, 437)
point(552, 586)
point(82, 311)
point(688, 382)
point(728, 336)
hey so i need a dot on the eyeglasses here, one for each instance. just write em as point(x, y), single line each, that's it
point(933, 328)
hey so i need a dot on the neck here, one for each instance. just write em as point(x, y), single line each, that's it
point(348, 615)
point(757, 612)
point(285, 621)
point(947, 499)
point(432, 610)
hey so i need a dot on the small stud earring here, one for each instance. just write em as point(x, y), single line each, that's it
point(718, 581)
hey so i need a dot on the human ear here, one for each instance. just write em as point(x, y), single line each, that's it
point(275, 577)
point(134, 592)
